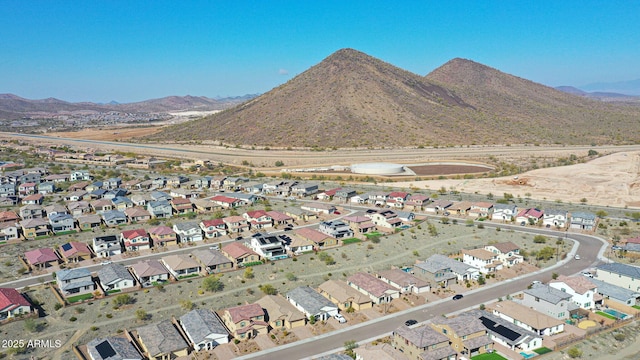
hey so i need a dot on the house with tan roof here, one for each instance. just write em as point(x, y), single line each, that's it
point(583, 292)
point(404, 281)
point(239, 254)
point(204, 205)
point(137, 215)
point(377, 290)
point(212, 261)
point(481, 209)
point(245, 321)
point(41, 258)
point(319, 208)
point(506, 333)
point(181, 266)
point(384, 219)
point(163, 236)
point(298, 214)
point(360, 224)
point(33, 199)
point(508, 253)
point(89, 221)
point(417, 201)
point(421, 343)
point(33, 228)
point(467, 335)
point(9, 217)
point(280, 314)
point(31, 212)
point(75, 251)
point(150, 272)
point(526, 318)
point(161, 341)
point(460, 207)
point(181, 206)
point(299, 245)
point(321, 240)
point(236, 224)
point(344, 296)
point(280, 218)
point(486, 261)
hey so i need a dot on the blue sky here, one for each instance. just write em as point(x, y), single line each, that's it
point(135, 50)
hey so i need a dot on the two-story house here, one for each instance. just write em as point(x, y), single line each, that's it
point(245, 321)
point(555, 218)
point(622, 275)
point(163, 236)
point(270, 247)
point(486, 261)
point(583, 221)
point(73, 282)
point(336, 228)
point(150, 272)
point(582, 290)
point(107, 246)
point(259, 219)
point(422, 342)
point(135, 240)
point(204, 329)
point(467, 335)
point(504, 212)
point(549, 301)
point(213, 228)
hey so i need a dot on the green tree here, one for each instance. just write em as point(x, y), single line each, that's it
point(212, 284)
point(601, 214)
point(481, 280)
point(186, 304)
point(268, 289)
point(546, 253)
point(291, 277)
point(248, 273)
point(123, 299)
point(349, 346)
point(539, 239)
point(141, 315)
point(279, 163)
point(574, 352)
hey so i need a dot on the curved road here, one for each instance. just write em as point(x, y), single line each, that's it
point(590, 249)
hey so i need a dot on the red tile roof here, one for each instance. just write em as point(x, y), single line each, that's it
point(256, 214)
point(212, 222)
point(10, 299)
point(132, 234)
point(311, 234)
point(75, 247)
point(245, 312)
point(40, 256)
point(161, 230)
point(237, 250)
point(223, 199)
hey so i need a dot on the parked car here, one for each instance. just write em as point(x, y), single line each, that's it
point(340, 318)
point(239, 238)
point(587, 274)
point(535, 282)
point(106, 262)
point(214, 247)
point(411, 322)
point(616, 247)
point(577, 257)
point(457, 296)
point(337, 212)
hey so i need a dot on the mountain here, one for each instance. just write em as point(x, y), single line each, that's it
point(351, 99)
point(630, 87)
point(602, 96)
point(14, 107)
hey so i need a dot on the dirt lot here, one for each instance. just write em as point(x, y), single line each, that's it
point(110, 134)
point(100, 318)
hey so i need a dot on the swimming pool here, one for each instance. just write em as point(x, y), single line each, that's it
point(527, 355)
point(615, 313)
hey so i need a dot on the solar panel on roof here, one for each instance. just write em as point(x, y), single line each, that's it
point(105, 350)
point(66, 247)
point(500, 329)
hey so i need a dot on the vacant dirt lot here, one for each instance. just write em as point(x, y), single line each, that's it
point(110, 134)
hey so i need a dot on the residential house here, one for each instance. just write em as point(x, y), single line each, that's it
point(79, 186)
point(270, 247)
point(359, 199)
point(101, 205)
point(259, 219)
point(213, 228)
point(467, 334)
point(88, 222)
point(79, 175)
point(280, 218)
point(160, 196)
point(188, 232)
point(377, 290)
point(212, 261)
point(486, 261)
point(319, 208)
point(504, 212)
point(75, 251)
point(508, 253)
point(114, 218)
point(344, 296)
point(481, 209)
point(61, 222)
point(181, 266)
point(204, 329)
point(524, 317)
point(299, 246)
point(150, 272)
point(8, 189)
point(204, 205)
point(160, 209)
point(343, 195)
point(111, 348)
point(240, 254)
point(31, 212)
point(245, 321)
point(336, 228)
point(181, 206)
point(135, 240)
point(112, 183)
point(417, 201)
point(311, 303)
point(11, 200)
point(555, 218)
point(583, 292)
point(442, 270)
point(406, 216)
point(159, 182)
point(280, 314)
point(529, 216)
point(328, 194)
point(320, 239)
point(583, 221)
point(33, 228)
point(616, 293)
point(623, 275)
point(506, 333)
point(460, 208)
point(384, 219)
point(217, 182)
point(47, 187)
point(107, 246)
point(161, 341)
point(360, 224)
point(304, 189)
point(404, 281)
point(73, 282)
point(41, 258)
point(203, 182)
point(98, 194)
point(27, 188)
point(176, 181)
point(421, 343)
point(140, 199)
point(33, 199)
point(55, 209)
point(225, 201)
point(75, 195)
point(244, 199)
point(8, 231)
point(115, 278)
point(121, 203)
point(78, 208)
point(137, 215)
point(396, 199)
point(236, 224)
point(549, 301)
point(300, 215)
point(163, 236)
point(13, 304)
point(9, 217)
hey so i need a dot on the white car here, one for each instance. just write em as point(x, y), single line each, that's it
point(577, 257)
point(340, 318)
point(106, 262)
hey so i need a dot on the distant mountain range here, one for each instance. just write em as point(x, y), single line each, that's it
point(351, 99)
point(600, 95)
point(14, 107)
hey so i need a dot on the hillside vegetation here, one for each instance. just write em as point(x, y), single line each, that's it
point(351, 99)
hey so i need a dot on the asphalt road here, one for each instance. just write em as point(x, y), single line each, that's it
point(589, 248)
